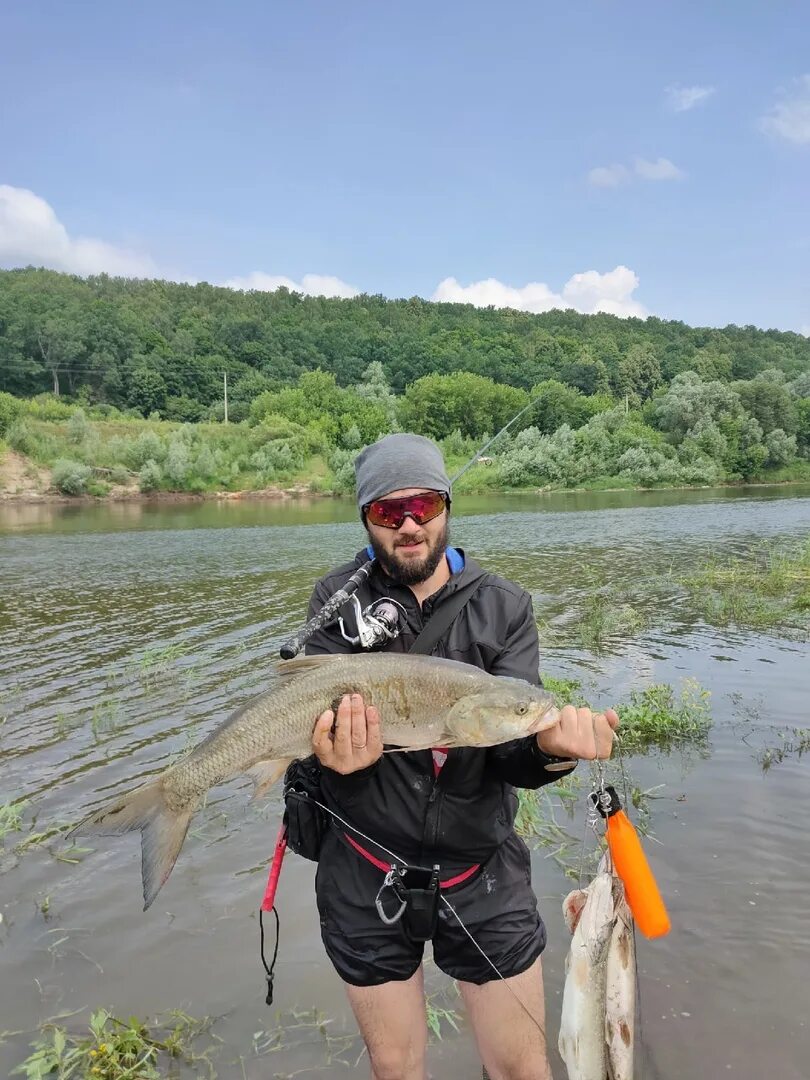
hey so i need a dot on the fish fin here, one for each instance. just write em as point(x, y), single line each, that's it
point(163, 831)
point(287, 670)
point(265, 773)
point(572, 907)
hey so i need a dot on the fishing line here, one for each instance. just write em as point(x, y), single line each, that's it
point(444, 900)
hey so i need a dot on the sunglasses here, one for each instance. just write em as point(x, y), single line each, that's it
point(390, 513)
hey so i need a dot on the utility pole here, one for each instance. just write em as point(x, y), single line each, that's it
point(225, 387)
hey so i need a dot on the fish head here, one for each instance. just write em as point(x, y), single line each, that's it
point(510, 710)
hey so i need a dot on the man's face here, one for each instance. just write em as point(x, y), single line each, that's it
point(412, 552)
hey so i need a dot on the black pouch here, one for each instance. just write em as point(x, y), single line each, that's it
point(306, 823)
point(416, 893)
point(421, 915)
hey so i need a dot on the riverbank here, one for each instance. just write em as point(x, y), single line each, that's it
point(22, 481)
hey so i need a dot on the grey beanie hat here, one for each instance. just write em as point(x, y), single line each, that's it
point(399, 461)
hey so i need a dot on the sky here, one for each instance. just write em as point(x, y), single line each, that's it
point(636, 158)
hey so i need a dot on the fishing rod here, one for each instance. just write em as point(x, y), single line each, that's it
point(380, 625)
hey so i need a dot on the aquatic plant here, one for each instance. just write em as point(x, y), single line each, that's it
point(118, 1049)
point(656, 719)
point(794, 743)
point(768, 588)
point(11, 816)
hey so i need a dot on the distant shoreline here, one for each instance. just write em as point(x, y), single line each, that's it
point(301, 492)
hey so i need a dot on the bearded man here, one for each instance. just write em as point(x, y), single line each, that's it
point(452, 808)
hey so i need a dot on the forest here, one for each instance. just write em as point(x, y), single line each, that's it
point(113, 381)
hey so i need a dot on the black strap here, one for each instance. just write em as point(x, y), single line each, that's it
point(439, 623)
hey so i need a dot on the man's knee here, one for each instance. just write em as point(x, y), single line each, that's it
point(397, 1062)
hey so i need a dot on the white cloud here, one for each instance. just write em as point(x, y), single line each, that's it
point(589, 293)
point(660, 169)
point(310, 284)
point(32, 234)
point(684, 98)
point(790, 117)
point(608, 175)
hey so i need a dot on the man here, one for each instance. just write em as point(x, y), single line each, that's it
point(454, 808)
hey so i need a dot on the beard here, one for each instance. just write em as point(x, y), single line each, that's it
point(412, 571)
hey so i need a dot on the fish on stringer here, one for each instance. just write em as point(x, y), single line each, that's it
point(597, 1026)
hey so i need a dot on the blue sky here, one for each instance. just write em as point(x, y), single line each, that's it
point(393, 147)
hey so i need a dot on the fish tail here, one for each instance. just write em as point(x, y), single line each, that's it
point(163, 831)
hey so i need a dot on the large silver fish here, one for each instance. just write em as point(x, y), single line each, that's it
point(599, 998)
point(424, 701)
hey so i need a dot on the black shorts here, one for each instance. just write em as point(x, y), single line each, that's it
point(497, 905)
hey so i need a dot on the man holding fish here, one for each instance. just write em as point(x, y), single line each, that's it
point(445, 806)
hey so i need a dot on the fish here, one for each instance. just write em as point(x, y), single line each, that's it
point(597, 1025)
point(620, 993)
point(424, 701)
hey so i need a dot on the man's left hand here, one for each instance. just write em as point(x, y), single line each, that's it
point(580, 733)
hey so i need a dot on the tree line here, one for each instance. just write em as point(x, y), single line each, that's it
point(157, 346)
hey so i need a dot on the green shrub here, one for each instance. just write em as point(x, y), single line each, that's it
point(147, 447)
point(341, 462)
point(119, 475)
point(178, 461)
point(150, 476)
point(78, 427)
point(20, 437)
point(70, 477)
point(10, 410)
point(48, 407)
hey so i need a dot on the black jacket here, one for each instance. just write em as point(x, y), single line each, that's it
point(460, 817)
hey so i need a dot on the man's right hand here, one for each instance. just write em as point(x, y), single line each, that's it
point(356, 741)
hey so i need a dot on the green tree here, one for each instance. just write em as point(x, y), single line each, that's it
point(557, 404)
point(436, 405)
point(639, 372)
point(769, 401)
point(147, 389)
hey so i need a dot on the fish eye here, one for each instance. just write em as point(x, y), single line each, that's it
point(522, 708)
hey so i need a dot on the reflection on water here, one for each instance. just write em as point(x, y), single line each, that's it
point(129, 631)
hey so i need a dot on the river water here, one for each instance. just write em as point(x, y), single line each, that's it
point(129, 631)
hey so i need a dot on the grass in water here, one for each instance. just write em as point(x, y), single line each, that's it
point(605, 618)
point(11, 816)
point(118, 1050)
point(655, 719)
point(767, 589)
point(795, 742)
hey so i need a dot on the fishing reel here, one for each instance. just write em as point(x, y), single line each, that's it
point(377, 624)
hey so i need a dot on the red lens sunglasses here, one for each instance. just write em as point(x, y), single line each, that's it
point(390, 513)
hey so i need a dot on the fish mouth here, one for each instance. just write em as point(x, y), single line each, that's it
point(545, 720)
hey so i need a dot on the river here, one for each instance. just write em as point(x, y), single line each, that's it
point(128, 631)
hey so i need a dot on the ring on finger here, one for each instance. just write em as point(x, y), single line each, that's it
point(359, 745)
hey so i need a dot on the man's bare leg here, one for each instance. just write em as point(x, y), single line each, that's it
point(394, 1027)
point(512, 1045)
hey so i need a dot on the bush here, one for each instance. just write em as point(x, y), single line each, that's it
point(147, 447)
point(78, 427)
point(781, 448)
point(341, 462)
point(178, 461)
point(276, 458)
point(10, 410)
point(119, 475)
point(48, 407)
point(71, 477)
point(21, 438)
point(150, 476)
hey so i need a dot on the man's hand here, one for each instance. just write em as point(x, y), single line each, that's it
point(356, 741)
point(580, 733)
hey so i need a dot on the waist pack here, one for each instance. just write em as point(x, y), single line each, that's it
point(306, 822)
